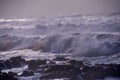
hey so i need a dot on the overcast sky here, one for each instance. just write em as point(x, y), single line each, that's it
point(39, 8)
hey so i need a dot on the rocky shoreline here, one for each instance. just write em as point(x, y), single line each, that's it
point(58, 68)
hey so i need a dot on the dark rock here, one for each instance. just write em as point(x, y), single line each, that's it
point(27, 73)
point(5, 76)
point(76, 64)
point(60, 67)
point(12, 73)
point(17, 61)
point(100, 71)
point(50, 62)
point(13, 62)
point(18, 58)
point(56, 71)
point(34, 64)
point(8, 64)
point(77, 70)
point(71, 75)
point(2, 66)
point(60, 58)
point(55, 67)
point(16, 64)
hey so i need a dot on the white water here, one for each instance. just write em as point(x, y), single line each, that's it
point(97, 37)
point(76, 35)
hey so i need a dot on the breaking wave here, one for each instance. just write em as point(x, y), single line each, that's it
point(78, 36)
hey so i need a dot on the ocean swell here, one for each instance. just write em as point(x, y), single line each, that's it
point(78, 36)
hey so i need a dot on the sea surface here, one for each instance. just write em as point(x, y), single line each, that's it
point(90, 38)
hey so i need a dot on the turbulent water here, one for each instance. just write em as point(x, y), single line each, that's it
point(93, 38)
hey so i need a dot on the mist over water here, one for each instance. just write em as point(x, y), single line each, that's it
point(76, 35)
point(89, 43)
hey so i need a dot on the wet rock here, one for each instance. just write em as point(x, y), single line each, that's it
point(50, 62)
point(78, 70)
point(35, 64)
point(55, 67)
point(13, 62)
point(5, 76)
point(100, 71)
point(8, 64)
point(27, 73)
point(17, 61)
point(18, 58)
point(56, 71)
point(16, 64)
point(60, 58)
point(12, 73)
point(71, 75)
point(61, 67)
point(2, 66)
point(77, 64)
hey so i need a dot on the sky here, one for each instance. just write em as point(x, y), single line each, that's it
point(40, 8)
